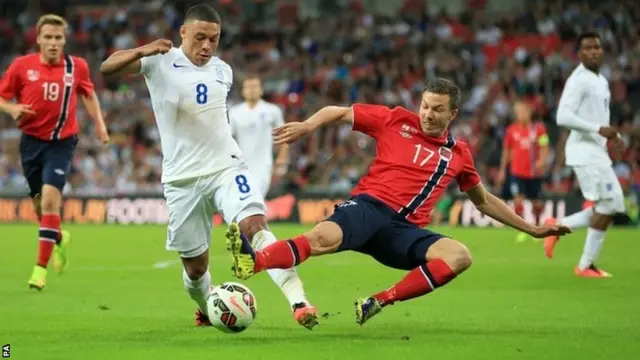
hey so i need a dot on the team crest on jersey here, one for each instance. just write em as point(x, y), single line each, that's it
point(68, 79)
point(445, 153)
point(220, 77)
point(33, 75)
point(409, 128)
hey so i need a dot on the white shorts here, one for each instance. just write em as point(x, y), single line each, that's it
point(600, 184)
point(192, 204)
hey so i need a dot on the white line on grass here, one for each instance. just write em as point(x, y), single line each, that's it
point(165, 264)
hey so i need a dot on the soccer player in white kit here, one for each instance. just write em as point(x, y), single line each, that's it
point(203, 168)
point(252, 124)
point(584, 109)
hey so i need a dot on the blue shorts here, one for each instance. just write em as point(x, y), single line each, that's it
point(373, 228)
point(46, 162)
point(531, 189)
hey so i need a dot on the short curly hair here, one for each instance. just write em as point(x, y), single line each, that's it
point(444, 86)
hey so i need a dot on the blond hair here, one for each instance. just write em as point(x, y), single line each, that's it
point(51, 19)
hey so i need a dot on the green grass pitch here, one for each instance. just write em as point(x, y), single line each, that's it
point(114, 302)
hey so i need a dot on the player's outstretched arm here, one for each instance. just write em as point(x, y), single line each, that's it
point(92, 104)
point(128, 61)
point(505, 160)
point(489, 204)
point(291, 132)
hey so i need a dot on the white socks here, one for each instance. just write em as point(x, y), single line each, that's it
point(594, 239)
point(579, 219)
point(287, 280)
point(198, 289)
point(592, 246)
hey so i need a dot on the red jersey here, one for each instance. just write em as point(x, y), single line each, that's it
point(51, 90)
point(411, 170)
point(525, 143)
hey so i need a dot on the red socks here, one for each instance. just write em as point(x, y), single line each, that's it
point(518, 208)
point(537, 211)
point(48, 237)
point(283, 254)
point(420, 281)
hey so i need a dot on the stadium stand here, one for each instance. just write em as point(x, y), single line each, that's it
point(370, 51)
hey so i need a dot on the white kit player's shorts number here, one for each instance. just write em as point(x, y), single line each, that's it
point(193, 202)
point(600, 184)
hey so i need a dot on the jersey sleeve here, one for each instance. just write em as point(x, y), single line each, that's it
point(233, 121)
point(85, 84)
point(230, 78)
point(10, 82)
point(468, 177)
point(572, 95)
point(278, 119)
point(370, 119)
point(148, 64)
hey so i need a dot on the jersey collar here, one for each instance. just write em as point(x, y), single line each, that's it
point(59, 63)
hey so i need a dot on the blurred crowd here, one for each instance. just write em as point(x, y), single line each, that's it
point(340, 53)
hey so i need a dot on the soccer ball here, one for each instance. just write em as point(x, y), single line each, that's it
point(231, 307)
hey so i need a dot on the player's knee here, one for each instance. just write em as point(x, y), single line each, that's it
point(458, 258)
point(51, 199)
point(195, 267)
point(452, 252)
point(195, 272)
point(324, 238)
point(252, 225)
point(610, 206)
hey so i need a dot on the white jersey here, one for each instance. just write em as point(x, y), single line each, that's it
point(190, 107)
point(584, 108)
point(252, 128)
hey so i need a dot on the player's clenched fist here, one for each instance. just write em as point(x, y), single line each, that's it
point(160, 46)
point(290, 132)
point(608, 132)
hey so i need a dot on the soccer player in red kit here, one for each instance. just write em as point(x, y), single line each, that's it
point(416, 159)
point(46, 86)
point(525, 151)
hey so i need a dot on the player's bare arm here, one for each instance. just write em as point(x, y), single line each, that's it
point(291, 132)
point(490, 205)
point(92, 104)
point(505, 159)
point(282, 161)
point(17, 111)
point(544, 155)
point(128, 61)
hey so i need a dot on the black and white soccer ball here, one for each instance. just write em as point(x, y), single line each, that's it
point(231, 307)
